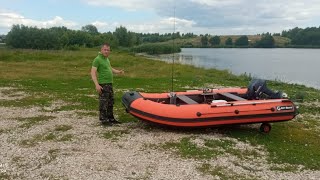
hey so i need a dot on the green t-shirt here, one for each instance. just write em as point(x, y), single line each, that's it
point(103, 68)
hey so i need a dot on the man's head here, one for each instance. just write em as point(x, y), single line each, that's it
point(105, 49)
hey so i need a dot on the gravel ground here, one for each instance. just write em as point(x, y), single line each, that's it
point(70, 145)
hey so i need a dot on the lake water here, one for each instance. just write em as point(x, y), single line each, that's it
point(299, 66)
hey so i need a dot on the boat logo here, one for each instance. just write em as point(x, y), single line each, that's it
point(283, 108)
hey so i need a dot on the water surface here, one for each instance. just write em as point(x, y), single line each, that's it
point(289, 65)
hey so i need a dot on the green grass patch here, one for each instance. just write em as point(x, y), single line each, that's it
point(188, 149)
point(210, 149)
point(288, 142)
point(85, 114)
point(27, 102)
point(62, 128)
point(42, 138)
point(115, 134)
point(37, 139)
point(10, 92)
point(52, 177)
point(30, 121)
point(48, 137)
point(19, 161)
point(225, 144)
point(45, 137)
point(228, 146)
point(222, 172)
point(52, 155)
point(310, 109)
point(285, 168)
point(66, 137)
point(4, 175)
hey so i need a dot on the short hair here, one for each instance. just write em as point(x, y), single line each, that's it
point(105, 44)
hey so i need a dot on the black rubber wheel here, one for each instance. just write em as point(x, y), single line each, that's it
point(265, 128)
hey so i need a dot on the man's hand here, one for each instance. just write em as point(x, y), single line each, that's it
point(121, 71)
point(99, 88)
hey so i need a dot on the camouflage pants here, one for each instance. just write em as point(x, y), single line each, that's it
point(106, 102)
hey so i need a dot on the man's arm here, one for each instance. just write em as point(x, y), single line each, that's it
point(95, 79)
point(117, 71)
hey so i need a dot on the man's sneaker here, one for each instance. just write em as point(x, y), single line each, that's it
point(113, 121)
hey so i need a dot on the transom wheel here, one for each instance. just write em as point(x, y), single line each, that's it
point(265, 127)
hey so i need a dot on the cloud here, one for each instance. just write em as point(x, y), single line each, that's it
point(217, 3)
point(198, 16)
point(7, 19)
point(100, 25)
point(130, 5)
point(164, 25)
point(229, 14)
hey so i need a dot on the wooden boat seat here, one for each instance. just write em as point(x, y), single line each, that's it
point(232, 96)
point(186, 99)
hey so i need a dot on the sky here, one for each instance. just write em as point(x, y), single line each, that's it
point(215, 17)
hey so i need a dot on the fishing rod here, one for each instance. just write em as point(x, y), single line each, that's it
point(174, 29)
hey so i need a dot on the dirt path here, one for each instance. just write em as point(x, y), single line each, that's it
point(39, 143)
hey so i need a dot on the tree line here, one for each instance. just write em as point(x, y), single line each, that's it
point(308, 36)
point(21, 36)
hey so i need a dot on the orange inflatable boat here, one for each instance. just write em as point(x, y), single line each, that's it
point(210, 107)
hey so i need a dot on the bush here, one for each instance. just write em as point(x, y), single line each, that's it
point(156, 49)
point(72, 48)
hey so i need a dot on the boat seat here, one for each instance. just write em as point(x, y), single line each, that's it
point(232, 96)
point(186, 99)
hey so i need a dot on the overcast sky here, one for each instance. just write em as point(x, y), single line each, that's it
point(216, 17)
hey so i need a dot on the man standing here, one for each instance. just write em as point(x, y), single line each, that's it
point(102, 76)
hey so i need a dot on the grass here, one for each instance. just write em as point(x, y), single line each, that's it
point(210, 149)
point(62, 128)
point(30, 121)
point(114, 134)
point(221, 171)
point(46, 76)
point(285, 168)
point(52, 155)
point(187, 149)
point(57, 134)
point(4, 175)
point(287, 143)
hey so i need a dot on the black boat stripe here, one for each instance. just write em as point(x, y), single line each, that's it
point(192, 120)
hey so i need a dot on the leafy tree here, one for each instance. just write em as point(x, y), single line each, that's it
point(110, 38)
point(91, 29)
point(229, 41)
point(2, 38)
point(308, 36)
point(176, 35)
point(214, 40)
point(21, 36)
point(133, 39)
point(242, 41)
point(156, 48)
point(291, 33)
point(13, 36)
point(188, 35)
point(266, 41)
point(122, 35)
point(204, 40)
